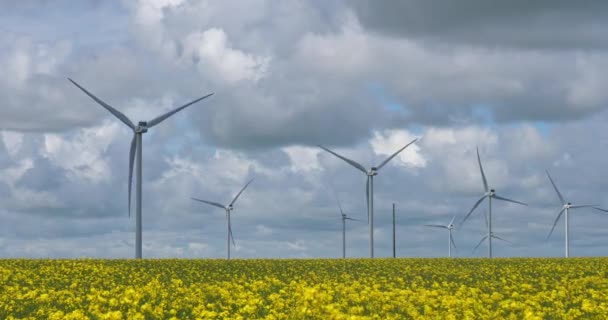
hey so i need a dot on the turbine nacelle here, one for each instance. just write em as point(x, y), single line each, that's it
point(142, 127)
point(372, 172)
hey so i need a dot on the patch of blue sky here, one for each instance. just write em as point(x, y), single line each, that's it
point(416, 129)
point(543, 127)
point(484, 115)
point(90, 22)
point(386, 100)
point(186, 135)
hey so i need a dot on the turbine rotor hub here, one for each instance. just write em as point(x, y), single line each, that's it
point(141, 127)
point(373, 172)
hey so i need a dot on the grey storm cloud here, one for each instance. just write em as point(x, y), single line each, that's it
point(551, 25)
point(521, 80)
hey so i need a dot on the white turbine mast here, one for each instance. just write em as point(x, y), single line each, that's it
point(228, 208)
point(344, 217)
point(373, 171)
point(135, 153)
point(489, 194)
point(492, 235)
point(566, 206)
point(450, 226)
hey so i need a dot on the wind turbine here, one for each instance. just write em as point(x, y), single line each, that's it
point(344, 218)
point(136, 152)
point(228, 209)
point(566, 206)
point(492, 235)
point(449, 227)
point(369, 188)
point(489, 193)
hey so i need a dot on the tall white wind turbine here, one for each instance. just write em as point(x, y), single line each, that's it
point(489, 194)
point(369, 188)
point(566, 206)
point(492, 235)
point(228, 209)
point(344, 218)
point(450, 226)
point(136, 153)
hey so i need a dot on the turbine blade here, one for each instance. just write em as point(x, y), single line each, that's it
point(472, 209)
point(509, 200)
point(480, 242)
point(215, 204)
point(584, 206)
point(452, 240)
point(347, 218)
point(555, 223)
point(131, 162)
point(349, 161)
point(238, 194)
point(600, 209)
point(483, 176)
point(499, 238)
point(435, 226)
point(559, 195)
point(115, 112)
point(393, 155)
point(337, 200)
point(161, 118)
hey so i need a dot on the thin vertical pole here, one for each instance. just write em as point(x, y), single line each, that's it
point(343, 237)
point(450, 243)
point(138, 217)
point(228, 233)
point(490, 228)
point(394, 242)
point(371, 216)
point(567, 238)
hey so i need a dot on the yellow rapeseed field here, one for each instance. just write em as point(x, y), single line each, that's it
point(305, 289)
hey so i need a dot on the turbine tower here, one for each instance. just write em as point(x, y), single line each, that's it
point(449, 227)
point(373, 171)
point(493, 235)
point(136, 153)
point(344, 218)
point(566, 206)
point(489, 194)
point(228, 209)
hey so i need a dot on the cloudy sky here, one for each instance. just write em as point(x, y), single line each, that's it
point(524, 81)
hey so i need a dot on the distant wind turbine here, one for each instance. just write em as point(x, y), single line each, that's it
point(492, 235)
point(369, 188)
point(489, 194)
point(136, 150)
point(344, 218)
point(449, 227)
point(566, 206)
point(228, 209)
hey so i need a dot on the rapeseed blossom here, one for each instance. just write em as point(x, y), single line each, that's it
point(305, 289)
